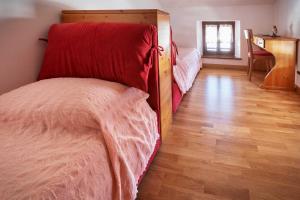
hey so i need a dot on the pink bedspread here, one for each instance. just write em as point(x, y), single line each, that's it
point(74, 139)
point(187, 68)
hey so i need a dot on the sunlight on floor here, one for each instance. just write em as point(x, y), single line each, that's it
point(220, 94)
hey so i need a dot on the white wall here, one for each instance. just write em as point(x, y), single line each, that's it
point(184, 18)
point(287, 18)
point(22, 22)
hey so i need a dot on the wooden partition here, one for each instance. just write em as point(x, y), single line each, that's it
point(154, 17)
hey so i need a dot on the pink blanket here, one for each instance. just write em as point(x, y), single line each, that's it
point(70, 138)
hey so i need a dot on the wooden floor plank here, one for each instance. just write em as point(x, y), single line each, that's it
point(229, 140)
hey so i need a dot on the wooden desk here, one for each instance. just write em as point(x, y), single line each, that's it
point(282, 76)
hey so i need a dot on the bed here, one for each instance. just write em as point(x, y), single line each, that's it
point(92, 133)
point(186, 65)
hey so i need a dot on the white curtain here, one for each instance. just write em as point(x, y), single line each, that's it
point(211, 37)
point(226, 37)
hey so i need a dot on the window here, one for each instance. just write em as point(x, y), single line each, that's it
point(219, 38)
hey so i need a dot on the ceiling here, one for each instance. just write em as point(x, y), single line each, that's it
point(192, 3)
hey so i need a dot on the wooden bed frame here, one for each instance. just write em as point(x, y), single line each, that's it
point(154, 17)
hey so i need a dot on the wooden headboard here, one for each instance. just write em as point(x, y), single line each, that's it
point(154, 17)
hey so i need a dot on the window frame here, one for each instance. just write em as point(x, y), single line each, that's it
point(218, 52)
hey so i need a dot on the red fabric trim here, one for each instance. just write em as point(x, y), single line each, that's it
point(156, 148)
point(176, 96)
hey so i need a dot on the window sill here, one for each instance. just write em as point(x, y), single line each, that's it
point(221, 57)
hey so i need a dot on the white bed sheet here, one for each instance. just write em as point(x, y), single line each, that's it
point(188, 64)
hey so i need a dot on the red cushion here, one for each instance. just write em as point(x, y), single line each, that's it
point(113, 52)
point(262, 53)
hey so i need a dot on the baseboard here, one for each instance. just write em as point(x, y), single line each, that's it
point(221, 66)
point(277, 88)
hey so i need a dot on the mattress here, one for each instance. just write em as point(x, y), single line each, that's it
point(72, 138)
point(188, 64)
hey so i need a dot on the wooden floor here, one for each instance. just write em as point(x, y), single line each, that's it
point(229, 140)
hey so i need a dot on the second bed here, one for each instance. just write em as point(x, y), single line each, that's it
point(185, 69)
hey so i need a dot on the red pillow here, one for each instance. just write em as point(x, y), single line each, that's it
point(113, 52)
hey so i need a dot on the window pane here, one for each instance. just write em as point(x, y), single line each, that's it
point(211, 37)
point(226, 37)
